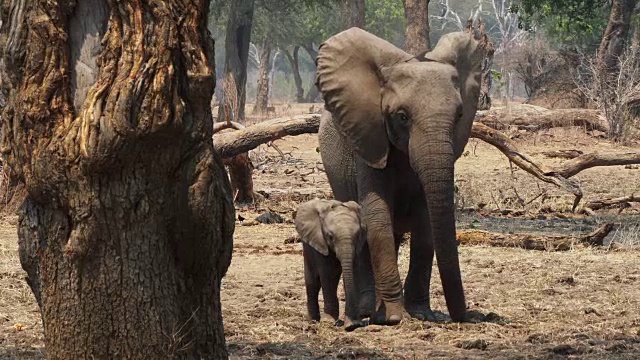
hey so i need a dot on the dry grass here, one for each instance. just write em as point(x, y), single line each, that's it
point(529, 304)
point(538, 305)
point(20, 326)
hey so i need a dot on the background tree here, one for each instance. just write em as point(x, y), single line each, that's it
point(265, 65)
point(615, 35)
point(416, 35)
point(353, 13)
point(310, 26)
point(574, 25)
point(386, 19)
point(128, 220)
point(293, 56)
point(238, 29)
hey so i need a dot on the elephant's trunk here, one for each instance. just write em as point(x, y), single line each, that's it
point(431, 155)
point(345, 254)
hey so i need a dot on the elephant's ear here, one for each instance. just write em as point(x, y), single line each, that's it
point(462, 51)
point(349, 77)
point(308, 223)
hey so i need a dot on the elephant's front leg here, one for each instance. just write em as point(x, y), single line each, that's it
point(366, 284)
point(417, 283)
point(377, 217)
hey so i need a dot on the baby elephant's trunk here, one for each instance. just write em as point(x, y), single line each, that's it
point(345, 255)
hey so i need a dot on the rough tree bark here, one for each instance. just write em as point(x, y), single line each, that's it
point(295, 68)
point(237, 52)
point(416, 31)
point(262, 96)
point(126, 231)
point(352, 14)
point(615, 35)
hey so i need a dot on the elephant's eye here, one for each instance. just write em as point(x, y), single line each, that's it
point(403, 117)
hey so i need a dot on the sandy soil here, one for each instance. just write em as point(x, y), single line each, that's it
point(526, 304)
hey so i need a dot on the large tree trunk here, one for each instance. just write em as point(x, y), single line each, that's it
point(352, 14)
point(295, 68)
point(615, 35)
point(126, 231)
point(262, 96)
point(416, 31)
point(237, 54)
point(313, 92)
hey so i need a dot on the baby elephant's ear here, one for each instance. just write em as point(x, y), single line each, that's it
point(362, 239)
point(358, 209)
point(308, 224)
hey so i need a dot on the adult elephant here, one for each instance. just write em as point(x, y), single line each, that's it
point(395, 125)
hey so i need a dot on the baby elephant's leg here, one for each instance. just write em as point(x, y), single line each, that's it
point(329, 278)
point(312, 284)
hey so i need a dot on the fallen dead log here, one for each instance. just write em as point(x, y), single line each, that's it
point(586, 161)
point(563, 154)
point(533, 241)
point(535, 118)
point(230, 144)
point(605, 203)
point(524, 161)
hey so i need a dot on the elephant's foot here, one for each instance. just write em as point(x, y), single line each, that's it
point(418, 307)
point(367, 305)
point(350, 325)
point(389, 313)
point(421, 312)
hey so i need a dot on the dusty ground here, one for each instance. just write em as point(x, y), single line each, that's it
point(528, 305)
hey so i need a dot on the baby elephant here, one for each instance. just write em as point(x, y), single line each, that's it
point(332, 234)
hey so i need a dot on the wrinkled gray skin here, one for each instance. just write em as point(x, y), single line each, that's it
point(332, 235)
point(394, 127)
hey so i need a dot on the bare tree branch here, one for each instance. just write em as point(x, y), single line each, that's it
point(524, 161)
